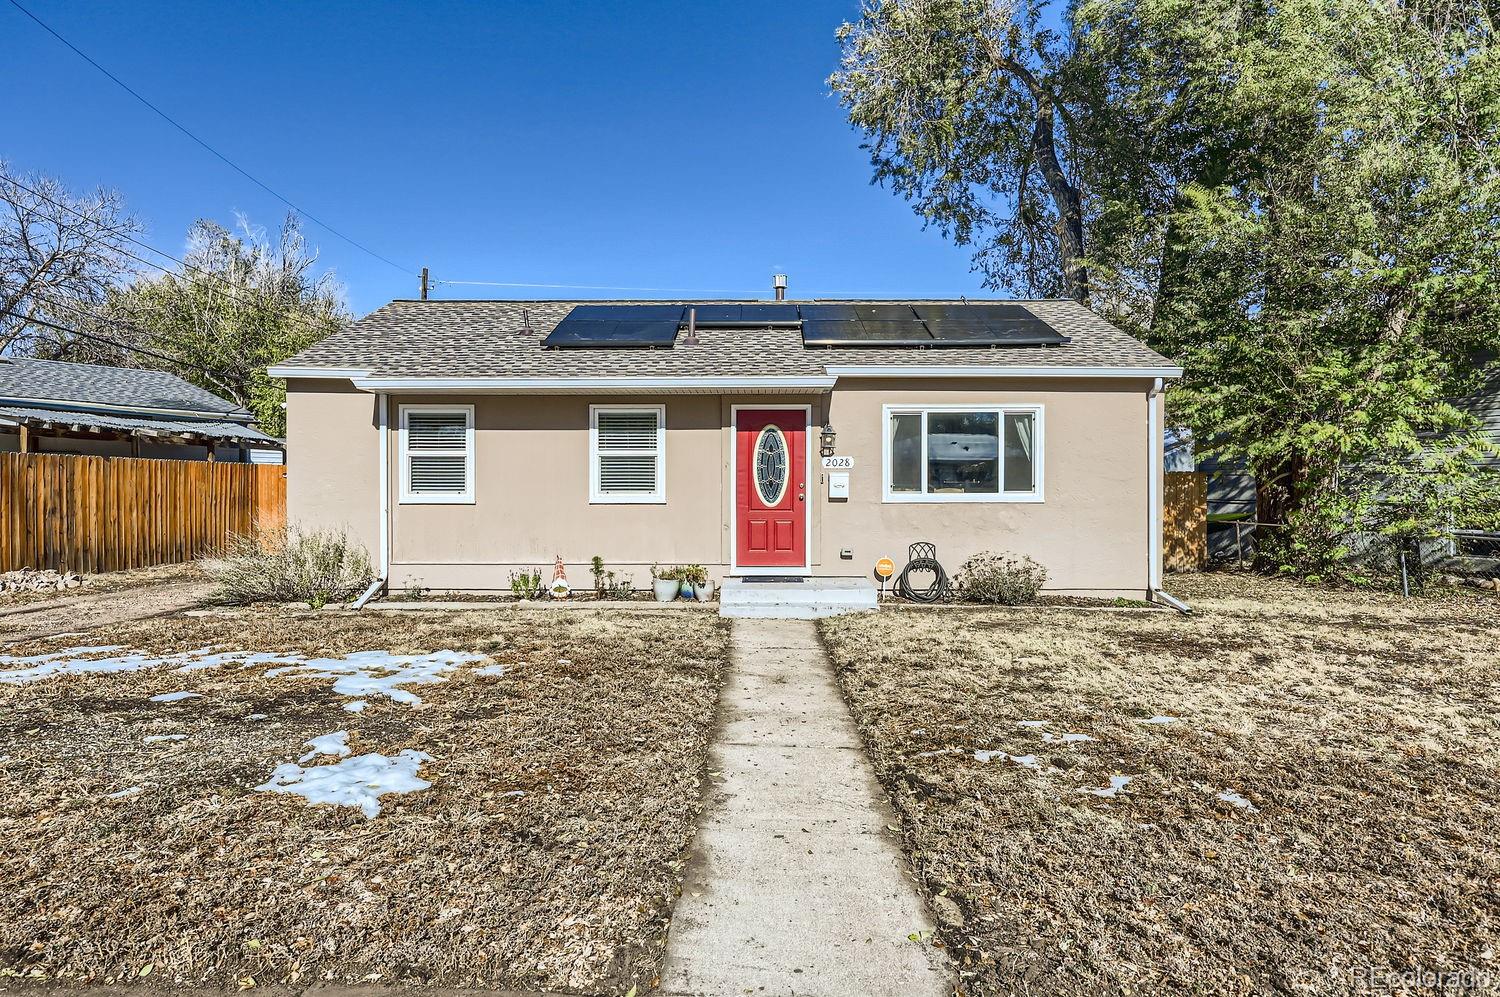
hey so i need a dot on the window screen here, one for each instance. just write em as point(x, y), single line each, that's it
point(628, 451)
point(438, 454)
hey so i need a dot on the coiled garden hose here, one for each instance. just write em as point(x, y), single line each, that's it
point(922, 557)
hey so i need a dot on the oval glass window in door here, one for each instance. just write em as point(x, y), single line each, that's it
point(772, 469)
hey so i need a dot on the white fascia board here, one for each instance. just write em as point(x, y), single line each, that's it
point(339, 373)
point(915, 370)
point(593, 384)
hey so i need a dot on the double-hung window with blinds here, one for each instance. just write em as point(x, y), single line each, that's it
point(627, 453)
point(437, 453)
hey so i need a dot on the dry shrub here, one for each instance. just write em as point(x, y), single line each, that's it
point(1000, 578)
point(292, 565)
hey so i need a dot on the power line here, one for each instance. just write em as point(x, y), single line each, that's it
point(602, 287)
point(126, 326)
point(232, 288)
point(105, 339)
point(820, 292)
point(217, 154)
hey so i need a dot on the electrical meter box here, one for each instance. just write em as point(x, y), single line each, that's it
point(838, 485)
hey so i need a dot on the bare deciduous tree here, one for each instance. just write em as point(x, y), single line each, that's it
point(60, 254)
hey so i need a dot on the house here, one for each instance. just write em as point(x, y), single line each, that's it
point(462, 441)
point(48, 406)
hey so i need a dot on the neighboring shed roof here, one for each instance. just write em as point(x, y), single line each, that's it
point(56, 384)
point(98, 422)
point(476, 339)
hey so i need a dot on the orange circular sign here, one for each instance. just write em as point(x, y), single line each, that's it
point(885, 567)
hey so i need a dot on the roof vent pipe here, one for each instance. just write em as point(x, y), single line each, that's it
point(692, 333)
point(778, 284)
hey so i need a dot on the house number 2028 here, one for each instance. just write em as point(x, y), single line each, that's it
point(838, 463)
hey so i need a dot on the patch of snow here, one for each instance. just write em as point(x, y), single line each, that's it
point(159, 738)
point(176, 697)
point(361, 674)
point(495, 669)
point(355, 706)
point(256, 716)
point(939, 751)
point(1031, 723)
point(514, 792)
point(354, 782)
point(1116, 784)
point(69, 661)
point(1236, 800)
point(356, 675)
point(564, 661)
point(380, 673)
point(336, 743)
point(1025, 761)
point(128, 791)
point(1158, 720)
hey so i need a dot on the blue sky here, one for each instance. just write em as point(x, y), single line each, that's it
point(689, 146)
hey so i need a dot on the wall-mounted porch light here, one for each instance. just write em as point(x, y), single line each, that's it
point(826, 440)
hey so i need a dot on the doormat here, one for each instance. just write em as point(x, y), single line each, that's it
point(780, 579)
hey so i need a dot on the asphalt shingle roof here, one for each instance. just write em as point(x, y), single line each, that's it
point(503, 339)
point(96, 386)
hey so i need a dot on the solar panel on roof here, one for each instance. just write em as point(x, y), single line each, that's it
point(574, 334)
point(895, 333)
point(743, 316)
point(828, 313)
point(971, 313)
point(626, 313)
point(775, 314)
point(834, 332)
point(965, 334)
point(885, 313)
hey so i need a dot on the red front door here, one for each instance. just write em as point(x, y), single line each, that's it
point(770, 490)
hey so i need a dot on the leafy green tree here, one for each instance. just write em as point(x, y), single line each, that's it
point(965, 113)
point(1326, 265)
point(1296, 201)
point(242, 304)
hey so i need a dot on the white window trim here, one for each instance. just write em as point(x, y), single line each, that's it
point(922, 408)
point(657, 497)
point(466, 497)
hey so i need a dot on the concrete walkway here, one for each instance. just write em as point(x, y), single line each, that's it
point(796, 886)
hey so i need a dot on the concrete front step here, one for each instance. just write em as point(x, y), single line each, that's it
point(799, 599)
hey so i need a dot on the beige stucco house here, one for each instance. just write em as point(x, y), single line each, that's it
point(462, 441)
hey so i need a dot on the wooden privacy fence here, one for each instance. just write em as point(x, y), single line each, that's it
point(92, 514)
point(1185, 525)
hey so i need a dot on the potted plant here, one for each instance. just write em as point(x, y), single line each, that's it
point(665, 582)
point(695, 582)
point(703, 588)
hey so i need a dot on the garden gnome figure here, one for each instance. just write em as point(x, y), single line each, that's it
point(560, 586)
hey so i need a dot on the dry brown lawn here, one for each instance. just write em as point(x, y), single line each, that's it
point(545, 854)
point(110, 581)
point(1361, 728)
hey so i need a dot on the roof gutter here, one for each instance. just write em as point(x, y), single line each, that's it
point(566, 385)
point(337, 373)
point(363, 378)
point(988, 371)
